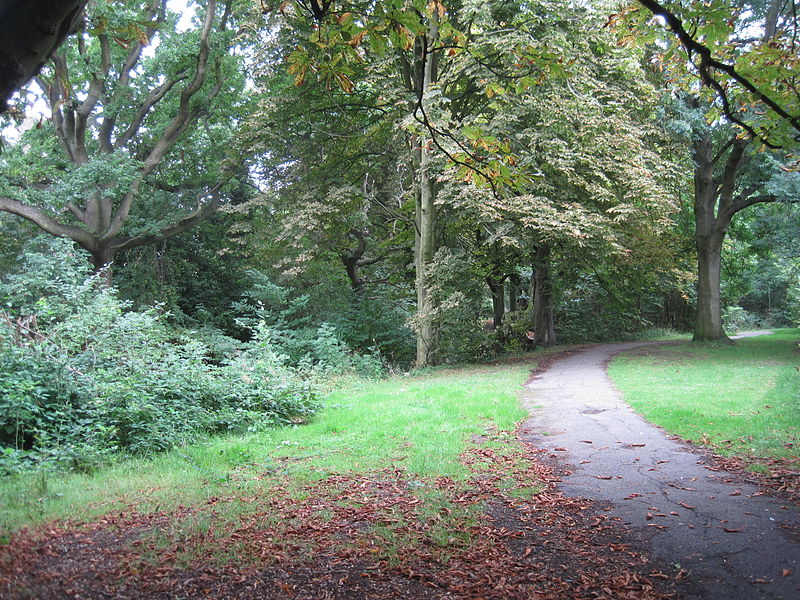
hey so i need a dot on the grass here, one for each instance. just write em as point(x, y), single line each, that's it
point(741, 399)
point(420, 424)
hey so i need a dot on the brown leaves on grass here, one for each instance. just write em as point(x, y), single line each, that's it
point(506, 533)
point(783, 477)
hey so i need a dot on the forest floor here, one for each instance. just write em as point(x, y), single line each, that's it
point(533, 520)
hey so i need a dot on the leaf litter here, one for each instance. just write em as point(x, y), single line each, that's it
point(504, 533)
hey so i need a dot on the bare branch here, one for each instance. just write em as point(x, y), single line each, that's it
point(45, 222)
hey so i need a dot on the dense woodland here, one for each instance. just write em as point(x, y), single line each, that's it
point(210, 210)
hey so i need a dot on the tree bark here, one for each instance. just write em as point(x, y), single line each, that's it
point(30, 31)
point(425, 220)
point(711, 224)
point(498, 292)
point(541, 292)
point(715, 204)
point(513, 293)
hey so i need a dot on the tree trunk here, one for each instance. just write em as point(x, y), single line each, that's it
point(498, 301)
point(424, 250)
point(541, 292)
point(513, 292)
point(425, 220)
point(711, 223)
point(102, 263)
point(708, 322)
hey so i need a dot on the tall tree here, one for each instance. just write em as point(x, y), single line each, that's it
point(745, 57)
point(140, 113)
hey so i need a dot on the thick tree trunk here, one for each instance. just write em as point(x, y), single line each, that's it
point(103, 262)
point(30, 31)
point(711, 223)
point(716, 201)
point(541, 292)
point(708, 322)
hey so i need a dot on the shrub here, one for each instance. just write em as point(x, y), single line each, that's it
point(82, 376)
point(735, 318)
point(296, 334)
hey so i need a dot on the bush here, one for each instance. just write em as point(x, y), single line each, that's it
point(735, 318)
point(82, 376)
point(295, 334)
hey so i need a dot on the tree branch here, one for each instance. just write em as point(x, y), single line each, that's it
point(707, 63)
point(743, 201)
point(156, 14)
point(30, 31)
point(182, 119)
point(84, 111)
point(155, 96)
point(45, 222)
point(203, 212)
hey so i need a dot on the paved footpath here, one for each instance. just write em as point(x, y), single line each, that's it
point(732, 542)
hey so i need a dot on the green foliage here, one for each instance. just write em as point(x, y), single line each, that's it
point(748, 60)
point(735, 319)
point(83, 376)
point(297, 332)
point(459, 292)
point(423, 423)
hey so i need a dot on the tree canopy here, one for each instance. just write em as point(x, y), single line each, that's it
point(304, 187)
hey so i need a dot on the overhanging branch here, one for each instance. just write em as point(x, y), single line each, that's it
point(707, 63)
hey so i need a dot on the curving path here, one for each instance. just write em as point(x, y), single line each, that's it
point(733, 543)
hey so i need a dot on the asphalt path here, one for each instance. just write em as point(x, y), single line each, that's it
point(723, 537)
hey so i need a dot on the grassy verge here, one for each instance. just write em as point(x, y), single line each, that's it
point(741, 400)
point(419, 424)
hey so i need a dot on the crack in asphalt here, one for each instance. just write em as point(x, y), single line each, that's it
point(731, 540)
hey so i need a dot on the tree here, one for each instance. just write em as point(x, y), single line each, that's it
point(133, 102)
point(745, 56)
point(591, 182)
point(746, 64)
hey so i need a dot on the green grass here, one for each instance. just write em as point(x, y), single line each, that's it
point(418, 423)
point(741, 399)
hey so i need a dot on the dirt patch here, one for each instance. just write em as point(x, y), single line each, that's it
point(504, 534)
point(548, 360)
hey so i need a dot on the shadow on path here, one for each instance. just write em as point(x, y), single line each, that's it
point(732, 542)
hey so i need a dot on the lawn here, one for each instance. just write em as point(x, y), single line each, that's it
point(741, 399)
point(421, 424)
